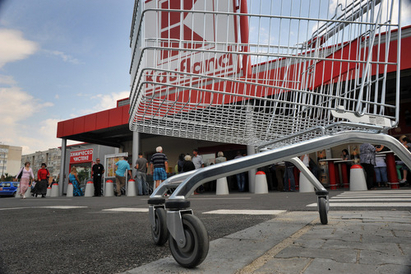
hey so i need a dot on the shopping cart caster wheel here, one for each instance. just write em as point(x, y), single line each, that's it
point(322, 208)
point(159, 231)
point(196, 248)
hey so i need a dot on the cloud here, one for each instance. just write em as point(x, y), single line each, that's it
point(104, 101)
point(20, 107)
point(63, 56)
point(14, 47)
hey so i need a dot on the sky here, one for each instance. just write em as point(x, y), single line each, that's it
point(61, 59)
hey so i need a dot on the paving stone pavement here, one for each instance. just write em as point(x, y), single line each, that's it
point(352, 242)
point(296, 242)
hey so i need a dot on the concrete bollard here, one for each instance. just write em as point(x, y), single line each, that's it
point(222, 186)
point(48, 193)
point(18, 192)
point(28, 193)
point(305, 184)
point(131, 188)
point(261, 186)
point(357, 178)
point(89, 192)
point(55, 190)
point(109, 189)
point(70, 189)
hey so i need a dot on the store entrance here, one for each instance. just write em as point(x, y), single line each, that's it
point(83, 172)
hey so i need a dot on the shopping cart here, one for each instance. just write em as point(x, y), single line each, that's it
point(285, 77)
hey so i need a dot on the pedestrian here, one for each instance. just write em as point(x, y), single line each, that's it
point(197, 159)
point(367, 161)
point(159, 165)
point(42, 181)
point(407, 143)
point(73, 179)
point(122, 167)
point(180, 163)
point(97, 174)
point(240, 176)
point(188, 164)
point(25, 176)
point(345, 155)
point(289, 180)
point(381, 167)
point(142, 167)
point(220, 158)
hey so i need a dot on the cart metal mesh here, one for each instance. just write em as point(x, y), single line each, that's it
point(264, 72)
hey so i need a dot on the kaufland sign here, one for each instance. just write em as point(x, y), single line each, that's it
point(187, 40)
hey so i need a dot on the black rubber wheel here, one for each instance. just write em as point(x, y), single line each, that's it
point(159, 231)
point(196, 248)
point(322, 208)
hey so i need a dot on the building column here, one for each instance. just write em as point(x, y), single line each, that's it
point(62, 165)
point(135, 150)
point(251, 172)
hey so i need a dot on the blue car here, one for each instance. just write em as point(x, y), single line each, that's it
point(8, 188)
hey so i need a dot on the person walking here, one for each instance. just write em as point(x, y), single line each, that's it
point(42, 181)
point(122, 167)
point(159, 165)
point(25, 176)
point(73, 179)
point(188, 164)
point(240, 176)
point(142, 167)
point(197, 159)
point(97, 173)
point(220, 158)
point(367, 160)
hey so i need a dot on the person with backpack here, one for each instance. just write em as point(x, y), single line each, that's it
point(42, 181)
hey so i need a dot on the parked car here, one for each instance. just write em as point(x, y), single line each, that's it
point(8, 188)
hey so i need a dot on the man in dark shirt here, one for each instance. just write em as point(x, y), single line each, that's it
point(97, 173)
point(159, 165)
point(142, 166)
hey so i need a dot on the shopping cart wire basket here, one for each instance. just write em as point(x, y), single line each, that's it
point(286, 77)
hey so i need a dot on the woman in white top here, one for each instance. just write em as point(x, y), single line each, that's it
point(26, 175)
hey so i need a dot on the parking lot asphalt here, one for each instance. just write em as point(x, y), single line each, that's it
point(112, 235)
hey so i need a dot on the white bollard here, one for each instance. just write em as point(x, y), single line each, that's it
point(48, 193)
point(131, 188)
point(55, 190)
point(357, 178)
point(89, 192)
point(28, 193)
point(305, 185)
point(222, 186)
point(261, 186)
point(70, 189)
point(109, 189)
point(18, 192)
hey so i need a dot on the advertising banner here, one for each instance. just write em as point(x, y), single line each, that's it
point(81, 156)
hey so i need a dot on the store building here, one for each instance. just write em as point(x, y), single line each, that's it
point(9, 160)
point(111, 127)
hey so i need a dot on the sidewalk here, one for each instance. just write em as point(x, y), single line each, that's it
point(296, 242)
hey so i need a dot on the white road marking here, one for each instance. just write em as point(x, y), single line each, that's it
point(222, 198)
point(245, 212)
point(365, 204)
point(47, 207)
point(62, 207)
point(126, 209)
point(372, 199)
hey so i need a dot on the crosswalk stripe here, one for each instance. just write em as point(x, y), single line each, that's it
point(365, 205)
point(379, 198)
point(245, 212)
point(126, 209)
